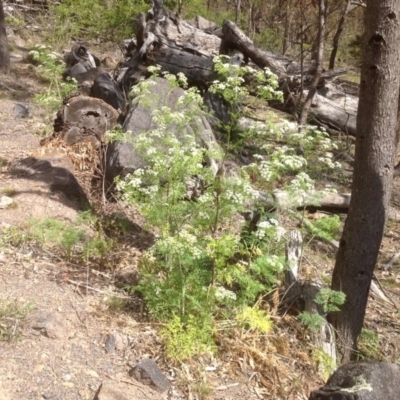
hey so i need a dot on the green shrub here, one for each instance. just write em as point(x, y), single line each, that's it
point(66, 240)
point(108, 20)
point(196, 271)
point(50, 69)
point(12, 313)
point(202, 274)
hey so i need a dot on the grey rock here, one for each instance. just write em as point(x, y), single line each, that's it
point(21, 111)
point(5, 202)
point(51, 324)
point(17, 41)
point(148, 373)
point(121, 157)
point(115, 342)
point(110, 343)
point(221, 111)
point(362, 380)
point(74, 71)
point(106, 89)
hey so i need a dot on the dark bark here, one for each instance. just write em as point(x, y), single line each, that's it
point(376, 144)
point(323, 9)
point(349, 7)
point(4, 54)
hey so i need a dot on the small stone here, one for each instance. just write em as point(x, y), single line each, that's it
point(115, 342)
point(148, 373)
point(92, 373)
point(21, 111)
point(109, 344)
point(50, 324)
point(39, 368)
point(48, 395)
point(5, 201)
point(67, 377)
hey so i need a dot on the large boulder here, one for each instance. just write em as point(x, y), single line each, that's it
point(122, 158)
point(362, 380)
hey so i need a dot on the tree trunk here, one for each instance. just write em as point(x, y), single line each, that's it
point(376, 144)
point(4, 54)
point(286, 36)
point(237, 16)
point(349, 7)
point(323, 8)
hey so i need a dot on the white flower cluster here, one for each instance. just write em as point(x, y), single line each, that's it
point(222, 293)
point(141, 88)
point(205, 198)
point(328, 162)
point(327, 144)
point(235, 197)
point(182, 244)
point(265, 170)
point(289, 162)
point(35, 54)
point(133, 181)
point(280, 162)
point(302, 184)
point(190, 98)
point(270, 229)
point(275, 262)
point(268, 92)
point(154, 69)
point(329, 189)
point(239, 191)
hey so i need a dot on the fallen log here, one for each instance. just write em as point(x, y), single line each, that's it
point(177, 46)
point(317, 200)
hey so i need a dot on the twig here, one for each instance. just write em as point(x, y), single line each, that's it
point(391, 262)
point(87, 287)
point(8, 88)
point(383, 293)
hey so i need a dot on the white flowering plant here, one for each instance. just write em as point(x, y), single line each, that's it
point(318, 148)
point(193, 269)
point(233, 85)
point(50, 68)
point(234, 81)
